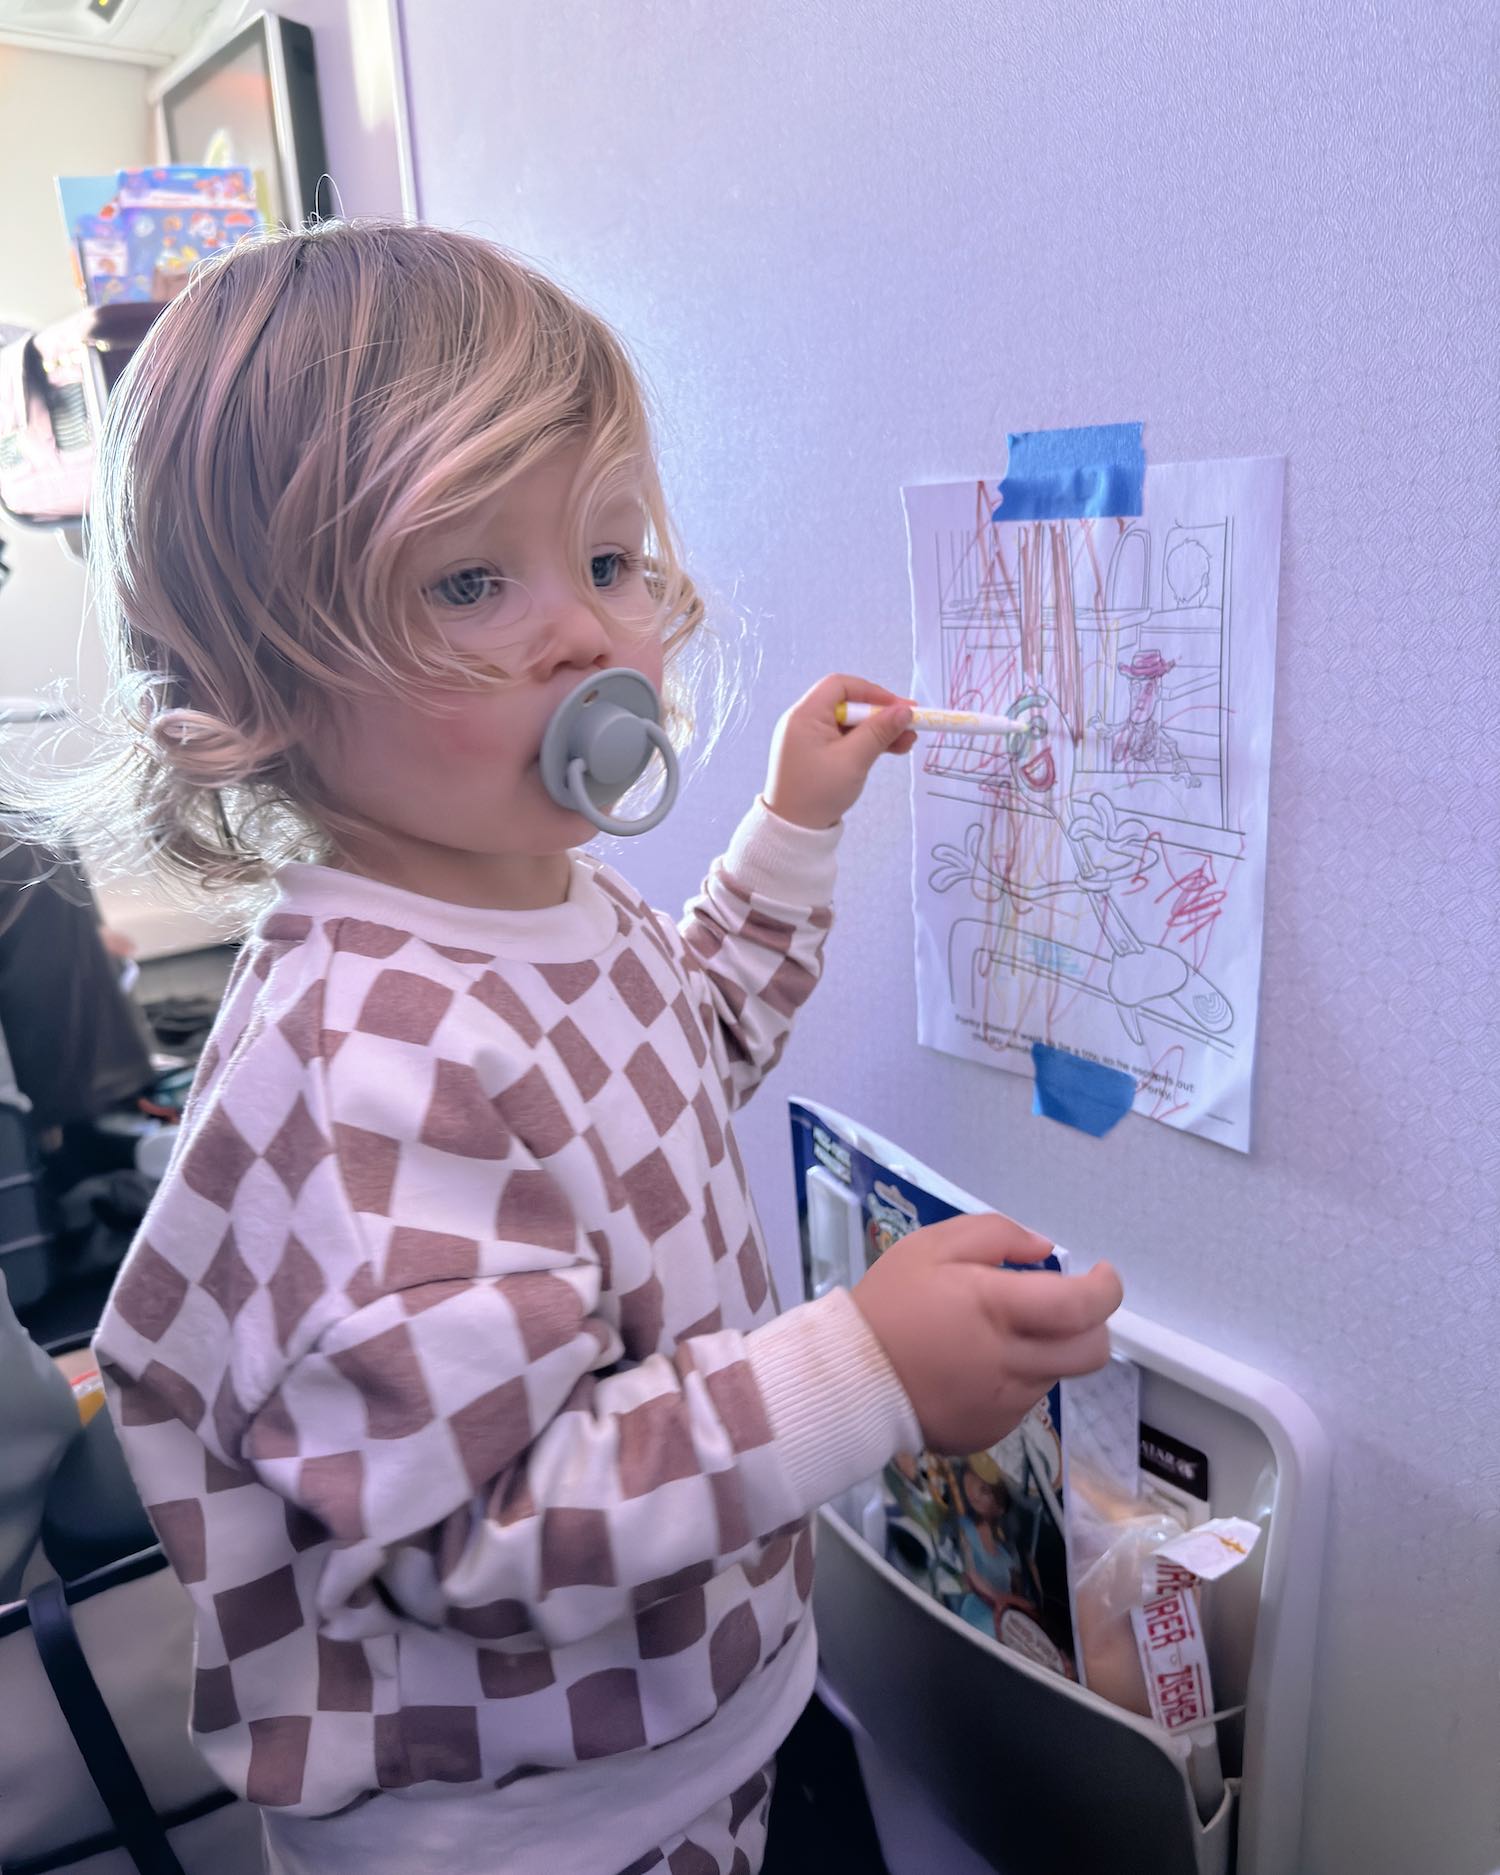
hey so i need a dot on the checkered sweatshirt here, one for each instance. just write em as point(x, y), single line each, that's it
point(447, 1364)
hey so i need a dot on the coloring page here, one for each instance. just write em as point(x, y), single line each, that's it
point(1097, 884)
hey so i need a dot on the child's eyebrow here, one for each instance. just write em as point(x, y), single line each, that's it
point(621, 499)
point(621, 508)
point(460, 538)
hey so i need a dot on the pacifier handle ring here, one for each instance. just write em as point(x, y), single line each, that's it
point(611, 823)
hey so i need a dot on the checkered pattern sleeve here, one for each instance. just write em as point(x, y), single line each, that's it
point(757, 931)
point(458, 1433)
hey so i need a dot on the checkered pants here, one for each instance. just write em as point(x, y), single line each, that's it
point(729, 1839)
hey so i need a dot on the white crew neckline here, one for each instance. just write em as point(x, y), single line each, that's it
point(578, 929)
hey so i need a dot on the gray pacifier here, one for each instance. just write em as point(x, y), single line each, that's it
point(600, 741)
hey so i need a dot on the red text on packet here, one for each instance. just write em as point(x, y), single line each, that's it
point(1167, 1623)
point(1180, 1697)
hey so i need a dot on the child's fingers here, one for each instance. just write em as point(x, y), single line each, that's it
point(861, 690)
point(1104, 1285)
point(905, 742)
point(829, 692)
point(878, 735)
point(1069, 1357)
point(1052, 1306)
point(985, 1237)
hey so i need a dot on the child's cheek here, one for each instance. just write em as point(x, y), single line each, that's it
point(477, 733)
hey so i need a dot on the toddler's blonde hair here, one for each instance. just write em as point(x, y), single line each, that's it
point(291, 424)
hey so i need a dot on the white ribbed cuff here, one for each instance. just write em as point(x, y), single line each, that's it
point(794, 866)
point(835, 1405)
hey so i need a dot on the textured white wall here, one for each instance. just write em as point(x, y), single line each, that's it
point(854, 241)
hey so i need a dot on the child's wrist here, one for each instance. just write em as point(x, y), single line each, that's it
point(795, 814)
point(835, 1404)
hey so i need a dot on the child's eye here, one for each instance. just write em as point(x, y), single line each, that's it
point(466, 587)
point(609, 569)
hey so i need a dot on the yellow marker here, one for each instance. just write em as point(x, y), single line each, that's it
point(962, 722)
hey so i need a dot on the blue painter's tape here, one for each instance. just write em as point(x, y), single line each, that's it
point(1054, 475)
point(1080, 1093)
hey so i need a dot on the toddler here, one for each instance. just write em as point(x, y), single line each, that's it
point(447, 1360)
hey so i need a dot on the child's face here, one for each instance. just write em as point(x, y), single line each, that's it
point(456, 775)
point(983, 1498)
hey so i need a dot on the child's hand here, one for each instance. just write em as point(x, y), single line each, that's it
point(975, 1346)
point(818, 770)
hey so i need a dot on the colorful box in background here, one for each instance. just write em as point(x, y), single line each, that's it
point(102, 259)
point(175, 185)
point(164, 244)
point(85, 199)
point(137, 235)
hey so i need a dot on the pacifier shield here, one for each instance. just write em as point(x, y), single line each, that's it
point(600, 740)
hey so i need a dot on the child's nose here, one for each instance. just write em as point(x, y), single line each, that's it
point(575, 638)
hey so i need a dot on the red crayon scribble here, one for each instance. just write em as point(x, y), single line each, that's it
point(1199, 904)
point(1040, 772)
point(1169, 1066)
point(1140, 879)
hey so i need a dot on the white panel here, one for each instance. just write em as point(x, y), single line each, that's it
point(854, 241)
